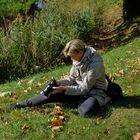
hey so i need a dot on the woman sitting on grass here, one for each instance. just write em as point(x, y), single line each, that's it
point(85, 86)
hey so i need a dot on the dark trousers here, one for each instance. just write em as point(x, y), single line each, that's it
point(87, 106)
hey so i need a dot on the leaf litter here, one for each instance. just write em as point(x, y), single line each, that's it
point(57, 119)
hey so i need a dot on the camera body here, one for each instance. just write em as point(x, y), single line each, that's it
point(49, 88)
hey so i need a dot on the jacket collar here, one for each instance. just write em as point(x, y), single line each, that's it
point(89, 52)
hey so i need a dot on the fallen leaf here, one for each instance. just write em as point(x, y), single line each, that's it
point(98, 120)
point(24, 127)
point(56, 121)
point(56, 128)
point(135, 71)
point(121, 72)
point(58, 108)
point(106, 131)
point(129, 89)
point(129, 52)
point(38, 85)
point(25, 91)
point(57, 111)
point(21, 82)
point(64, 76)
point(14, 95)
point(110, 76)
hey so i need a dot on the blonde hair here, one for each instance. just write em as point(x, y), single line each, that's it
point(74, 47)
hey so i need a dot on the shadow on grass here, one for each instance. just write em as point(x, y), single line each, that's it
point(120, 35)
point(126, 102)
point(106, 111)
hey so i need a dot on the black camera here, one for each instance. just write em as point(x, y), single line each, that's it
point(49, 88)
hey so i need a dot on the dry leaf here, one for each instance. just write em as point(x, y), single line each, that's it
point(121, 72)
point(129, 52)
point(38, 85)
point(135, 71)
point(106, 131)
point(25, 91)
point(56, 128)
point(64, 76)
point(56, 121)
point(21, 82)
point(129, 89)
point(110, 76)
point(58, 118)
point(24, 127)
point(98, 120)
point(58, 108)
point(14, 95)
point(57, 111)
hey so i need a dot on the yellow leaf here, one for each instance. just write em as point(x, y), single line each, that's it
point(56, 121)
point(25, 91)
point(56, 128)
point(57, 111)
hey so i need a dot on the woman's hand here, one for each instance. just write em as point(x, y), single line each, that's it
point(58, 89)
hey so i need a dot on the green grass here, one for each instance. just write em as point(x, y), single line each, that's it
point(10, 8)
point(117, 121)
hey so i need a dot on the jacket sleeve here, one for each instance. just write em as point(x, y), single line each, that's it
point(83, 87)
point(70, 80)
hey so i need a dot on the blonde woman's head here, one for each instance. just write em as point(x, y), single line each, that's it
point(74, 47)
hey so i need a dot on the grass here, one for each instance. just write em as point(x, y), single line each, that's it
point(116, 121)
point(10, 8)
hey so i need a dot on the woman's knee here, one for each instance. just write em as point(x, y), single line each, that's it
point(89, 107)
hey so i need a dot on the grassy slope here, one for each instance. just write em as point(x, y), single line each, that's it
point(118, 120)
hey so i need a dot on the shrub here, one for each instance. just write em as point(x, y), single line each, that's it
point(35, 44)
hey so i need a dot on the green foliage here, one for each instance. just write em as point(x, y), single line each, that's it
point(32, 44)
point(10, 8)
point(112, 122)
point(36, 45)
